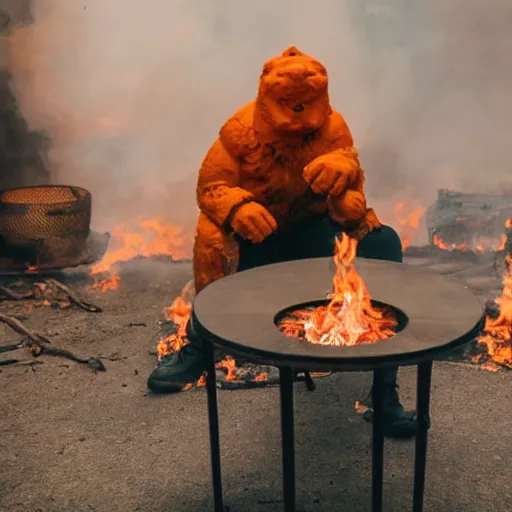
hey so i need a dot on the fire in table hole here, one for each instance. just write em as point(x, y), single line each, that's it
point(348, 316)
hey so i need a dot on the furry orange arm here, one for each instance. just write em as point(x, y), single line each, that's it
point(218, 193)
point(337, 168)
point(338, 173)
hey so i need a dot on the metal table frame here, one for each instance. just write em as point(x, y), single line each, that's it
point(256, 296)
point(288, 435)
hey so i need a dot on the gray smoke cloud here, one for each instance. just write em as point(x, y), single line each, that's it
point(133, 93)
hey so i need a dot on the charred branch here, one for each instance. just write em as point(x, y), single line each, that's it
point(51, 291)
point(39, 344)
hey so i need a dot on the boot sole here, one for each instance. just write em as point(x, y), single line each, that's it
point(166, 387)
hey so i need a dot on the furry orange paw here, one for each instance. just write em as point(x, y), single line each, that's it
point(332, 173)
point(253, 222)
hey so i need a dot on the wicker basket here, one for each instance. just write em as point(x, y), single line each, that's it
point(51, 222)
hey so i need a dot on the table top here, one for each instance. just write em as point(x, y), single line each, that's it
point(237, 313)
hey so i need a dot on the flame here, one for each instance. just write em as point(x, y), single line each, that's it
point(477, 244)
point(350, 318)
point(179, 313)
point(503, 241)
point(229, 365)
point(262, 377)
point(497, 336)
point(436, 240)
point(152, 237)
point(408, 216)
point(504, 237)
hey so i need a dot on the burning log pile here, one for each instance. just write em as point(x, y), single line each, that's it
point(463, 222)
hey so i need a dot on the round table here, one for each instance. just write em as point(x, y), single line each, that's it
point(238, 313)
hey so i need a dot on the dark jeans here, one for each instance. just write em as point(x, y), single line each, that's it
point(316, 240)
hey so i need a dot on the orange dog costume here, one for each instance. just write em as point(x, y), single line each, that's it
point(284, 158)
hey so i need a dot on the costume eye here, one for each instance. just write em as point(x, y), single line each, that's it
point(298, 108)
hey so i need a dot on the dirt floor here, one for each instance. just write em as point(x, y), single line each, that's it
point(74, 440)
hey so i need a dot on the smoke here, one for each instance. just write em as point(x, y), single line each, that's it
point(133, 93)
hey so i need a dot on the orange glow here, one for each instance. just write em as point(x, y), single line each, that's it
point(408, 216)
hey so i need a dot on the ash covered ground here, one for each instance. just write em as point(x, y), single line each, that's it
point(74, 440)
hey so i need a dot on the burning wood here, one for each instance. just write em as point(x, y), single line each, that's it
point(464, 222)
point(350, 318)
point(150, 238)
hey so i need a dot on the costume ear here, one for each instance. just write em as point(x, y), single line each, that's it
point(267, 67)
point(292, 51)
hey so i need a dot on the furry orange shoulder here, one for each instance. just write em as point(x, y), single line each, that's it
point(237, 134)
point(336, 131)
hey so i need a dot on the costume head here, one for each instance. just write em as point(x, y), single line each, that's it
point(293, 95)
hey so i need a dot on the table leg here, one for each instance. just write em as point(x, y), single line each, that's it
point(422, 411)
point(377, 440)
point(213, 420)
point(288, 437)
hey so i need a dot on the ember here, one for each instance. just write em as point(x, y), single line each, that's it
point(349, 318)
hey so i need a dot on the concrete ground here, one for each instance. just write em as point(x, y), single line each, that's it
point(76, 441)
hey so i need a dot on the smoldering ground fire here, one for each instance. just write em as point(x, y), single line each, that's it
point(379, 323)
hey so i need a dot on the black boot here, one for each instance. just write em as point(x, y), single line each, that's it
point(397, 422)
point(175, 371)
